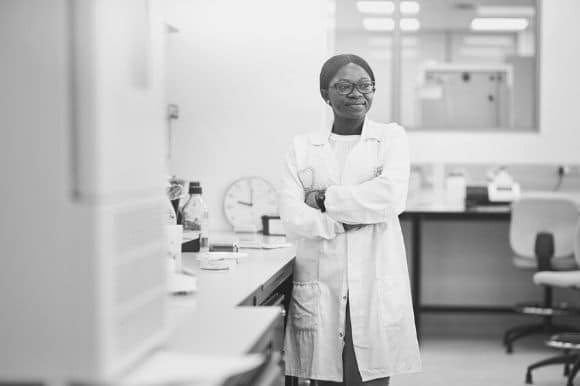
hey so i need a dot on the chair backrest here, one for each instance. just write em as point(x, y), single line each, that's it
point(577, 244)
point(530, 216)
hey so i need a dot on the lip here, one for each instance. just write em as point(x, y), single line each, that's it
point(356, 104)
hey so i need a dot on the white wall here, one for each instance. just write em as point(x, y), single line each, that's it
point(245, 75)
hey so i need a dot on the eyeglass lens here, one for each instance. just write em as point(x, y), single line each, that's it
point(345, 88)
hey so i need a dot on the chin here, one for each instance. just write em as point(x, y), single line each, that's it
point(356, 115)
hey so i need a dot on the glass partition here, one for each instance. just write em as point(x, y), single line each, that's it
point(448, 65)
point(375, 45)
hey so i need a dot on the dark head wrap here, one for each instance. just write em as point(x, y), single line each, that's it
point(335, 63)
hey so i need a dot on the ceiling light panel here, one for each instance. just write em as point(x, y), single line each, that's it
point(378, 24)
point(410, 7)
point(409, 24)
point(376, 7)
point(499, 24)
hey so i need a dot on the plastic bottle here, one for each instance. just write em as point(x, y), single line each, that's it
point(195, 215)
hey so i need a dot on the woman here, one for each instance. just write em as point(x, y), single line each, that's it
point(350, 318)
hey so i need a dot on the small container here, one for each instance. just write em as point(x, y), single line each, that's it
point(175, 238)
point(224, 247)
point(455, 187)
point(208, 263)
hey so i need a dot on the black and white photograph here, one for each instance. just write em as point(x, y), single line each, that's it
point(289, 192)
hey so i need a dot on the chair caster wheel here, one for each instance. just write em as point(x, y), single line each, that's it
point(529, 378)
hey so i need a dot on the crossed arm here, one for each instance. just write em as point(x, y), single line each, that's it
point(348, 207)
point(313, 200)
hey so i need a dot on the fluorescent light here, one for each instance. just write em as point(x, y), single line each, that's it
point(409, 24)
point(499, 24)
point(409, 7)
point(376, 7)
point(378, 24)
point(505, 11)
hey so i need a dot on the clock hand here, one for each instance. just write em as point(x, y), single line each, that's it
point(251, 191)
point(245, 203)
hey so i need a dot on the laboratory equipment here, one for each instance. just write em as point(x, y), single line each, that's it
point(503, 188)
point(83, 282)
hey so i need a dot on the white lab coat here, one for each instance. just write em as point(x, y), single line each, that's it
point(368, 264)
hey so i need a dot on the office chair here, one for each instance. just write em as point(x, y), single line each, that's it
point(570, 341)
point(542, 238)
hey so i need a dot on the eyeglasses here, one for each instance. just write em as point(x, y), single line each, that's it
point(364, 87)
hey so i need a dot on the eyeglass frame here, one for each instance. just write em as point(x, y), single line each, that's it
point(353, 86)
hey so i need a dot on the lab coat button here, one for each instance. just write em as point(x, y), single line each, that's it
point(340, 334)
point(344, 297)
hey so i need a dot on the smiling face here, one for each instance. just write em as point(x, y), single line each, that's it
point(354, 105)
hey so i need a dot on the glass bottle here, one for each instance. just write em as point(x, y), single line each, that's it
point(195, 215)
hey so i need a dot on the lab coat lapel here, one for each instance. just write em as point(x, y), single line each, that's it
point(328, 173)
point(364, 157)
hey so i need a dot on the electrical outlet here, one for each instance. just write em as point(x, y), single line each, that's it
point(172, 111)
point(563, 170)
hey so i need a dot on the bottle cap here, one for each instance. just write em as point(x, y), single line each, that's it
point(195, 188)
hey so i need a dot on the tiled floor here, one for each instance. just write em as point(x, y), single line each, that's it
point(481, 361)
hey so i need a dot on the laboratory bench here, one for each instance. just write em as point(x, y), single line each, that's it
point(416, 216)
point(236, 311)
point(419, 214)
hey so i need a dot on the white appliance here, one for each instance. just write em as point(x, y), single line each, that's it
point(82, 272)
point(503, 188)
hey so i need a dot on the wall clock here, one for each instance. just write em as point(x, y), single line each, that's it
point(246, 200)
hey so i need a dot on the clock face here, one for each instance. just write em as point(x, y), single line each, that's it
point(247, 200)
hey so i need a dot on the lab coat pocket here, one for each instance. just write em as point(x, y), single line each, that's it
point(304, 305)
point(391, 301)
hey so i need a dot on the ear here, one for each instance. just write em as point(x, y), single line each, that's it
point(324, 94)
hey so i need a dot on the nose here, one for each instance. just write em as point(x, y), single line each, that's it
point(355, 93)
